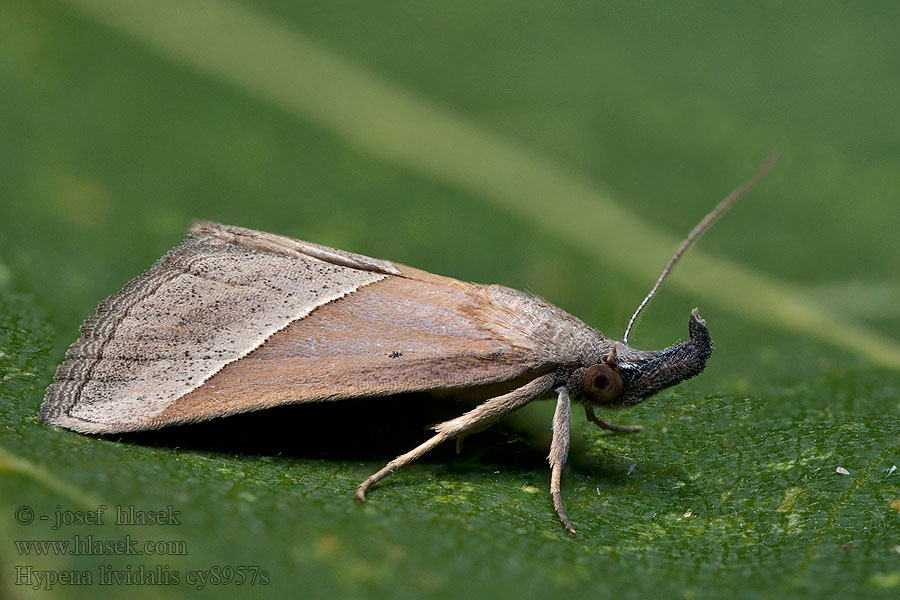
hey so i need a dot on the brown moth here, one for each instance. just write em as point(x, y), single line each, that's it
point(236, 320)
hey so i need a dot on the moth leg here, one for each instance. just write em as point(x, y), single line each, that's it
point(480, 417)
point(589, 411)
point(559, 450)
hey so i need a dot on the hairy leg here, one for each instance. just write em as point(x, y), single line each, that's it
point(480, 417)
point(559, 450)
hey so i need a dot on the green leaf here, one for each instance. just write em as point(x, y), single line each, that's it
point(564, 151)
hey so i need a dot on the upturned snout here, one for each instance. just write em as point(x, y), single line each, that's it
point(646, 373)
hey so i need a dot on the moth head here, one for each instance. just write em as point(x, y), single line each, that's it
point(627, 376)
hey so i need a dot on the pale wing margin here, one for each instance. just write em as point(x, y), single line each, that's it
point(279, 244)
point(209, 302)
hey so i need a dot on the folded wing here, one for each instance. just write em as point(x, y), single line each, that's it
point(235, 320)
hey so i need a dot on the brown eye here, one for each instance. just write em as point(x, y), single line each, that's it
point(602, 384)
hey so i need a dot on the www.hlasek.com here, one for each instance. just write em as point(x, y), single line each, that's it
point(88, 545)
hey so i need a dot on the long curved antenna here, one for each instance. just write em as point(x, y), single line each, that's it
point(701, 227)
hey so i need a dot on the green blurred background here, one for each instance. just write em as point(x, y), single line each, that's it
point(563, 149)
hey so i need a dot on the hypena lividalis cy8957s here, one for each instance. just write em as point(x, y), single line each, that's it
point(236, 320)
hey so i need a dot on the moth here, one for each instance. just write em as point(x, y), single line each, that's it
point(236, 320)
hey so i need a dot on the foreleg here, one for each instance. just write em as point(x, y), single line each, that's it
point(589, 411)
point(559, 450)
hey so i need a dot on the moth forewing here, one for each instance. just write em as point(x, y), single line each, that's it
point(235, 320)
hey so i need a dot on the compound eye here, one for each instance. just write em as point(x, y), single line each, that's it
point(602, 384)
